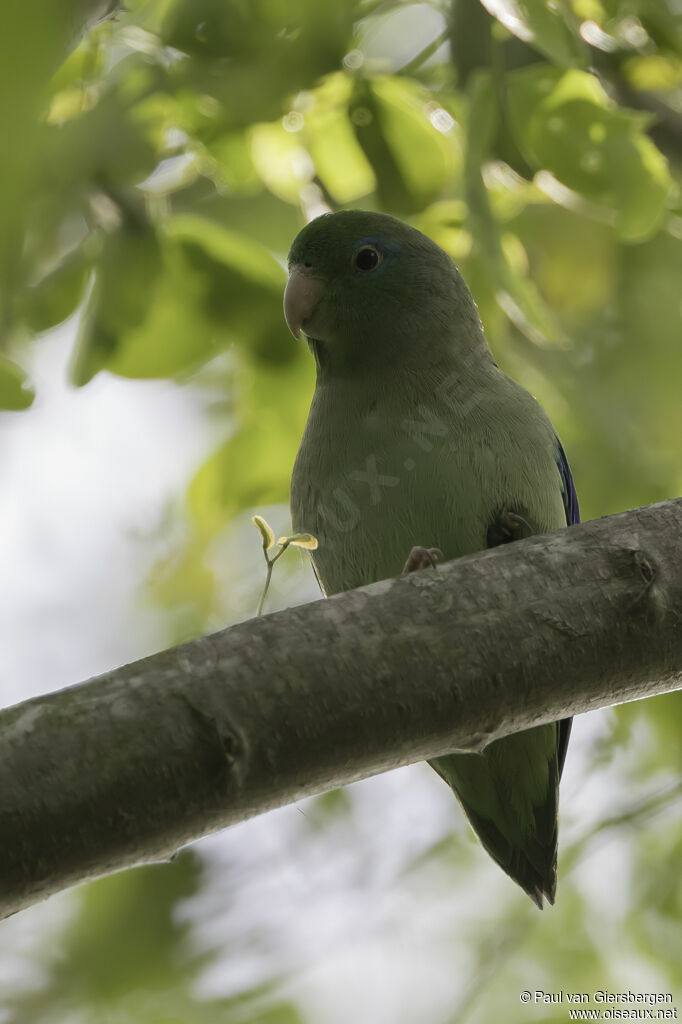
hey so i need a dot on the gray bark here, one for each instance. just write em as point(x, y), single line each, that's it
point(128, 767)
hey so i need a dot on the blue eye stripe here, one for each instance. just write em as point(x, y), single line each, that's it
point(384, 245)
point(386, 249)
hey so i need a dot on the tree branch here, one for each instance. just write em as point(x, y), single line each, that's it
point(130, 766)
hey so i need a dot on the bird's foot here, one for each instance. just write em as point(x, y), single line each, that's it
point(422, 558)
point(507, 527)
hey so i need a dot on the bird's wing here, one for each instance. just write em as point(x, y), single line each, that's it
point(572, 518)
point(510, 792)
point(567, 487)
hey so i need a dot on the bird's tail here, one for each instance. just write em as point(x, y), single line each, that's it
point(510, 794)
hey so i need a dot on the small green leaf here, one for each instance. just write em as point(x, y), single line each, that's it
point(299, 540)
point(265, 531)
point(543, 26)
point(16, 392)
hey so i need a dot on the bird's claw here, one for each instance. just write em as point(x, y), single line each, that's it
point(507, 527)
point(422, 558)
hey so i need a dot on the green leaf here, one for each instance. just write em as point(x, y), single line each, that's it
point(128, 271)
point(300, 540)
point(243, 285)
point(263, 218)
point(339, 160)
point(565, 123)
point(232, 154)
point(409, 140)
point(85, 63)
point(56, 296)
point(250, 55)
point(281, 161)
point(110, 145)
point(654, 71)
point(176, 333)
point(544, 26)
point(641, 186)
point(573, 261)
point(162, 306)
point(144, 951)
point(316, 137)
point(16, 393)
point(266, 532)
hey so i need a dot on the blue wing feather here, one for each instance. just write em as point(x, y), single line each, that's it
point(567, 488)
point(572, 517)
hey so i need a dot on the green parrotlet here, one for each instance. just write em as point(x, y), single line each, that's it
point(418, 447)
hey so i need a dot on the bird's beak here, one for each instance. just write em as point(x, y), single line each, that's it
point(301, 297)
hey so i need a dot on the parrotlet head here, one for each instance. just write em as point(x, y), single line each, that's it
point(365, 288)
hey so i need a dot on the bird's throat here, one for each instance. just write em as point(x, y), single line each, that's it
point(320, 352)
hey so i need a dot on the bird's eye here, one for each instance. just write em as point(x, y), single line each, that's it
point(367, 257)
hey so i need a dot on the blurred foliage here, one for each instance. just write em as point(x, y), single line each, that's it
point(125, 957)
point(159, 171)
